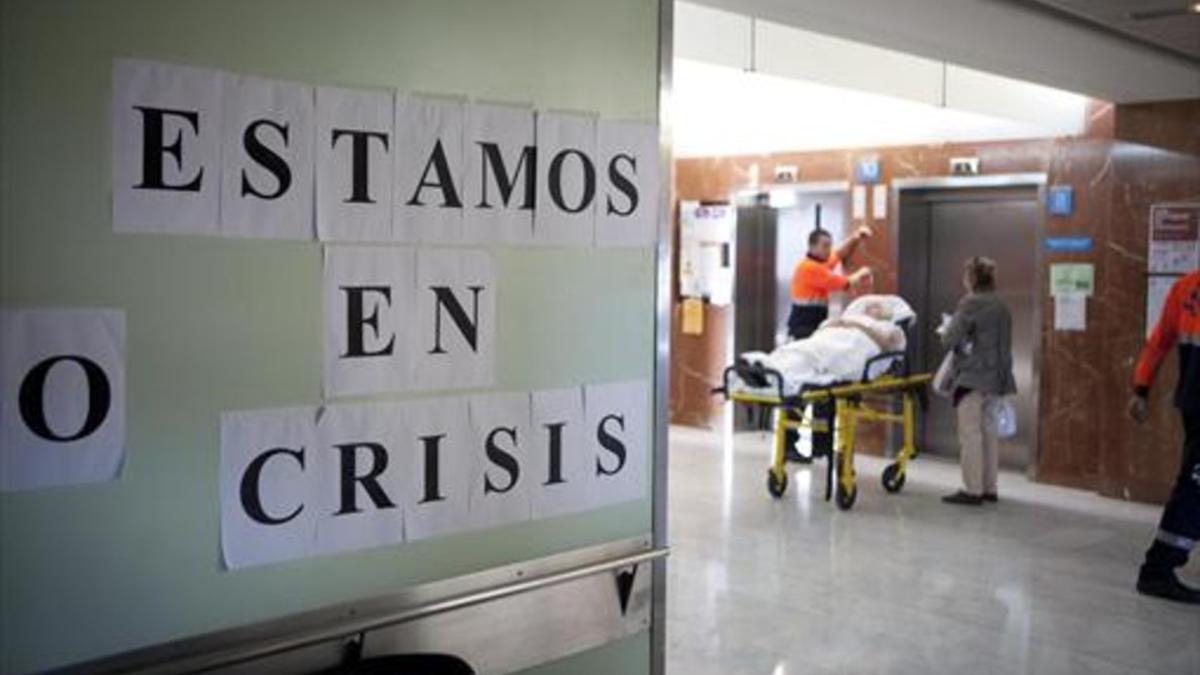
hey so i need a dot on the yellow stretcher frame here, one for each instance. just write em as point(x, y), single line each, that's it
point(851, 408)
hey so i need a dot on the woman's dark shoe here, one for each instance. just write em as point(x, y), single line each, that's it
point(1164, 584)
point(992, 497)
point(963, 498)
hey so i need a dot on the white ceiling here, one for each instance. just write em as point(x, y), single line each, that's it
point(1167, 24)
point(722, 111)
point(1015, 38)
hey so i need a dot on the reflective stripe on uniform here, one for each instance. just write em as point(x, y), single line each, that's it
point(810, 302)
point(1176, 541)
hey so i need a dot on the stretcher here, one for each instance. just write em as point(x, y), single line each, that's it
point(862, 401)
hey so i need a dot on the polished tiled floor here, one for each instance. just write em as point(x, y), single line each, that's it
point(1039, 584)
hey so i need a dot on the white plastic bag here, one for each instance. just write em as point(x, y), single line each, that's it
point(1002, 415)
point(942, 385)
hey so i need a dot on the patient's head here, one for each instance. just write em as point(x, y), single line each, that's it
point(878, 311)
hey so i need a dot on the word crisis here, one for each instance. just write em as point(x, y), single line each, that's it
point(299, 482)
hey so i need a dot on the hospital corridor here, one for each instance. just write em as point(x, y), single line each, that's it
point(567, 337)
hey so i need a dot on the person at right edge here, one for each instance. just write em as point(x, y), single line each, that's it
point(1179, 528)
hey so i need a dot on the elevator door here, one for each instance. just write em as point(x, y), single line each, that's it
point(939, 231)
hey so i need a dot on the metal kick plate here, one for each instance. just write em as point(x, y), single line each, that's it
point(501, 636)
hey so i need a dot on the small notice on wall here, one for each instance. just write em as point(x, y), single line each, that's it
point(1071, 284)
point(693, 316)
point(1070, 312)
point(705, 270)
point(1174, 238)
point(1072, 278)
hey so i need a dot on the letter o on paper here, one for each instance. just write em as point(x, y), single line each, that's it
point(31, 398)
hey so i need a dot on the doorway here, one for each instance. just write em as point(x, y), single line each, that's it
point(771, 238)
point(940, 227)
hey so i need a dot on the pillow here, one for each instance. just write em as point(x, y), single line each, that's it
point(899, 310)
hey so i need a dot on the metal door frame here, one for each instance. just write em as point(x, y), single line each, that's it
point(662, 336)
point(1034, 180)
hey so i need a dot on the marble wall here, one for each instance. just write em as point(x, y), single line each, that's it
point(1129, 158)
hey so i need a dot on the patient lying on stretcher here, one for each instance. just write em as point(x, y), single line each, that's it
point(840, 349)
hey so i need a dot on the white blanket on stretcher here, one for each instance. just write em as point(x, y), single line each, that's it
point(839, 353)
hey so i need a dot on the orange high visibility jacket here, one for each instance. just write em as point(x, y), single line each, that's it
point(813, 280)
point(1179, 325)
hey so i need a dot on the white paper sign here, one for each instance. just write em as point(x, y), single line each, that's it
point(267, 159)
point(501, 187)
point(267, 485)
point(440, 453)
point(1070, 312)
point(879, 202)
point(166, 148)
point(858, 202)
point(455, 322)
point(627, 208)
point(62, 409)
point(500, 484)
point(561, 458)
point(567, 180)
point(354, 164)
point(369, 311)
point(362, 477)
point(430, 171)
point(617, 421)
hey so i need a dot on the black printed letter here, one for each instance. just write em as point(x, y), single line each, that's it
point(153, 149)
point(360, 192)
point(356, 319)
point(432, 465)
point(469, 327)
point(612, 444)
point(502, 459)
point(370, 481)
point(267, 158)
point(555, 451)
point(252, 500)
point(623, 183)
point(445, 181)
point(31, 398)
point(589, 180)
point(505, 182)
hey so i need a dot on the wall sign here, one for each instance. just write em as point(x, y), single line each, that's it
point(1174, 238)
point(1060, 200)
point(375, 176)
point(867, 171)
point(208, 153)
point(1069, 244)
point(299, 482)
point(62, 411)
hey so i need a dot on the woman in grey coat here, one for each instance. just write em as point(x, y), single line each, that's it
point(980, 333)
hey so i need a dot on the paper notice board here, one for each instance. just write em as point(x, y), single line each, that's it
point(1173, 250)
point(1174, 238)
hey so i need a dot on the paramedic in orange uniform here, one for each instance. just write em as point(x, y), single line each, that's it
point(813, 280)
point(1179, 529)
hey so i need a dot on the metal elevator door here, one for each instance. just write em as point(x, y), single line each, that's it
point(939, 230)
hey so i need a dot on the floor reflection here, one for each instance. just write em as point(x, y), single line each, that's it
point(1040, 583)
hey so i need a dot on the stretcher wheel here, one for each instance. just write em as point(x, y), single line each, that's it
point(893, 478)
point(776, 485)
point(846, 498)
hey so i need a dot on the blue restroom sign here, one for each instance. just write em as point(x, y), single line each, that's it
point(1060, 200)
point(867, 171)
